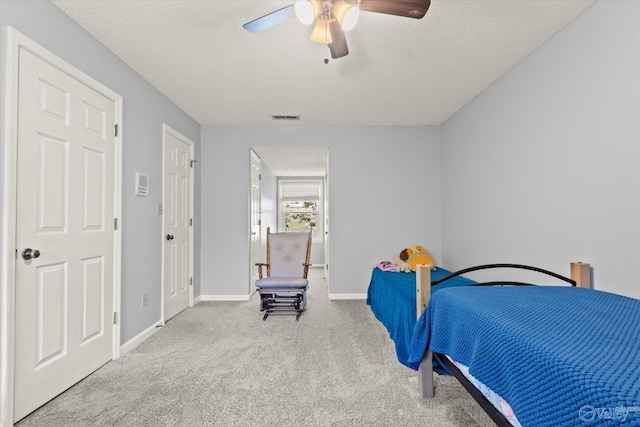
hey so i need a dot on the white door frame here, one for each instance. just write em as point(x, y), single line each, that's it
point(167, 129)
point(15, 40)
point(253, 257)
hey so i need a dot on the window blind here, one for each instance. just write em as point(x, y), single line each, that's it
point(295, 191)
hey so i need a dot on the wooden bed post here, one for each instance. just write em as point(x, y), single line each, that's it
point(423, 293)
point(423, 287)
point(581, 273)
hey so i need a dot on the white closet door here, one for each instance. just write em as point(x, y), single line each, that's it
point(65, 232)
point(177, 223)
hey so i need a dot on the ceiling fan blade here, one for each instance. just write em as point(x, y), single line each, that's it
point(407, 8)
point(338, 44)
point(271, 19)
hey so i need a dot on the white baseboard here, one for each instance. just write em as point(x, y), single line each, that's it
point(137, 340)
point(347, 296)
point(224, 298)
point(196, 300)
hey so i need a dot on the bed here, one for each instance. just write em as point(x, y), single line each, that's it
point(392, 298)
point(554, 355)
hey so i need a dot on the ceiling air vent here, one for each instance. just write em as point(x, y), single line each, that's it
point(285, 117)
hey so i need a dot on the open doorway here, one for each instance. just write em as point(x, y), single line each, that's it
point(285, 174)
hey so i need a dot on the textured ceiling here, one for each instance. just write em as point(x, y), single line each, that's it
point(399, 71)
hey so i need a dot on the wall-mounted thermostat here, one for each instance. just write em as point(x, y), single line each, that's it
point(142, 184)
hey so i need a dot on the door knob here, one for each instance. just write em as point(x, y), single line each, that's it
point(30, 253)
point(169, 237)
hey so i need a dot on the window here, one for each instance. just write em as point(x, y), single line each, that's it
point(300, 203)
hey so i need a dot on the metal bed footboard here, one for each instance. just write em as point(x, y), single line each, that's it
point(580, 275)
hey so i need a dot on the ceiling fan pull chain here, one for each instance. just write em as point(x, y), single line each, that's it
point(326, 55)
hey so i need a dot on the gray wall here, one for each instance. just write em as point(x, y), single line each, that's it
point(543, 167)
point(145, 109)
point(384, 193)
point(540, 168)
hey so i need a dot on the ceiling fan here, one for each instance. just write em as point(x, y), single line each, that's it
point(333, 17)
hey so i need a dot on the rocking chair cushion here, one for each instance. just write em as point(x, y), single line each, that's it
point(288, 253)
point(282, 282)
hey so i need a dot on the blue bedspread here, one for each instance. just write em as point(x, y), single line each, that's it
point(392, 297)
point(560, 356)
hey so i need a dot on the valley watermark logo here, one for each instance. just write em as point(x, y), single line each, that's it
point(589, 413)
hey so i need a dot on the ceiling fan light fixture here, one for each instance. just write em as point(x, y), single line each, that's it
point(334, 17)
point(346, 14)
point(321, 32)
point(305, 11)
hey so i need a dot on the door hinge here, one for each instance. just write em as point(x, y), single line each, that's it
point(115, 317)
point(260, 222)
point(190, 281)
point(115, 223)
point(191, 222)
point(116, 126)
point(260, 177)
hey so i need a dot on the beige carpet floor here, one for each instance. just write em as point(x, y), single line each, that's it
point(220, 364)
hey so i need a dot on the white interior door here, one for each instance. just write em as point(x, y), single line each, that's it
point(326, 221)
point(177, 223)
point(255, 216)
point(64, 233)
